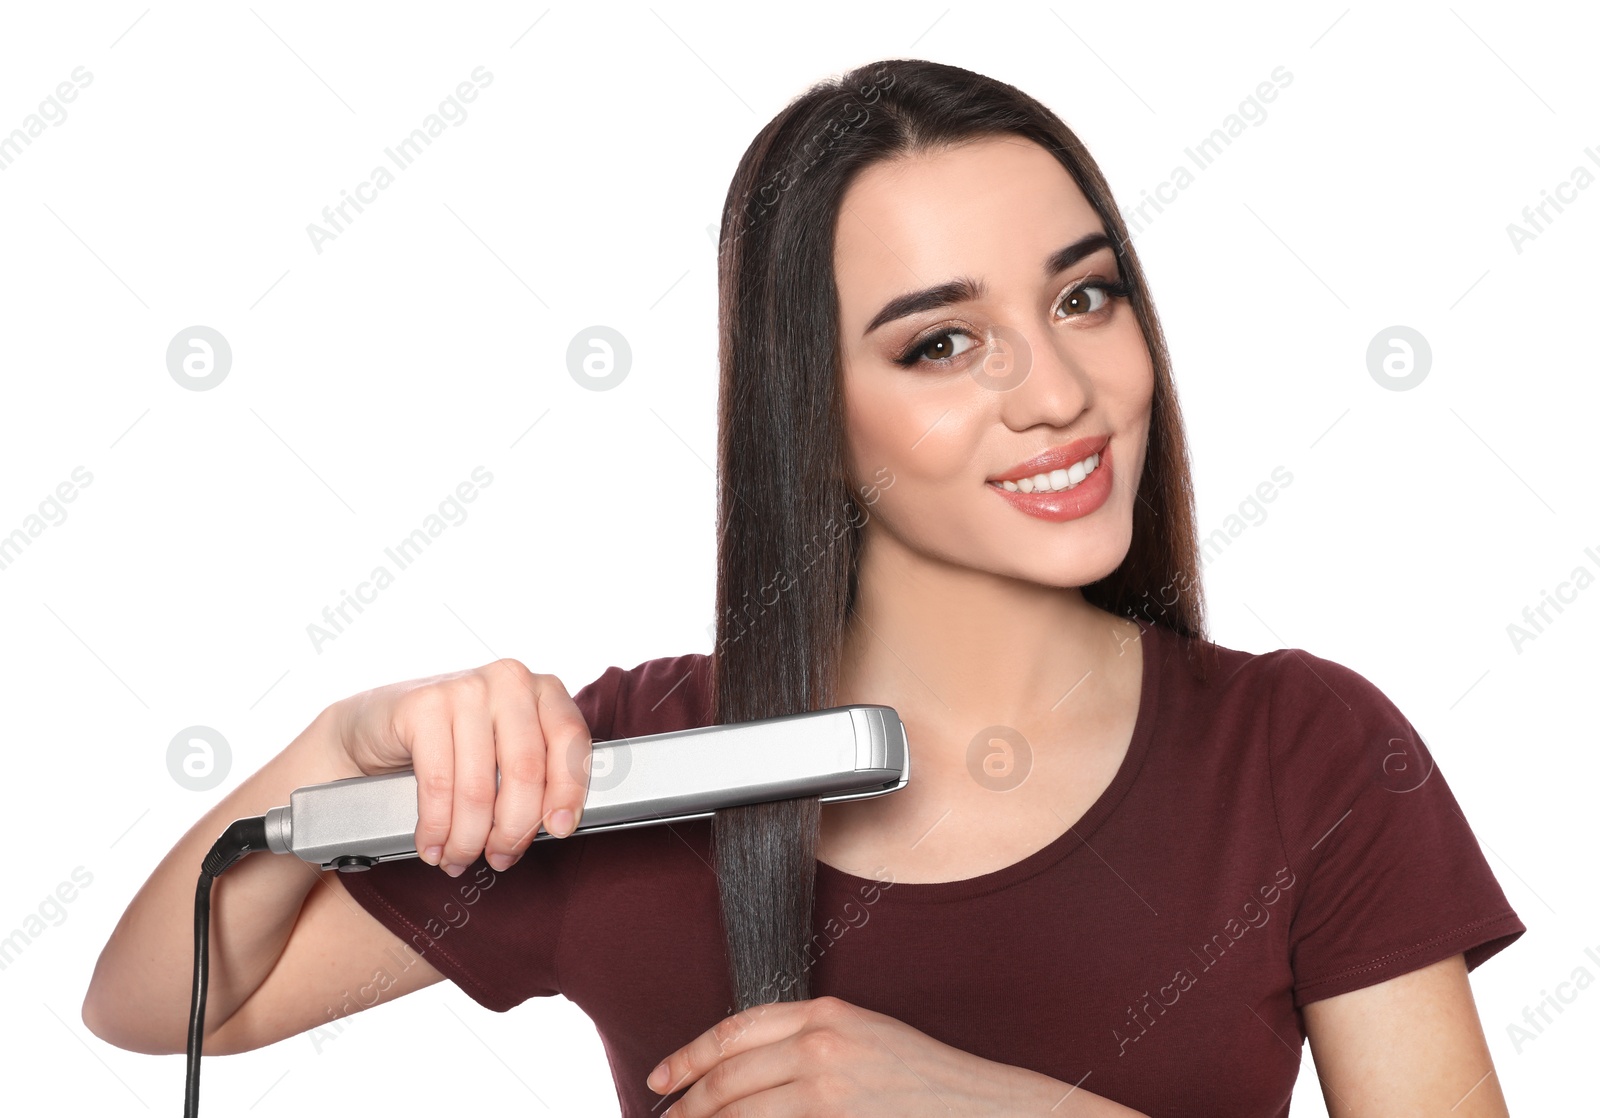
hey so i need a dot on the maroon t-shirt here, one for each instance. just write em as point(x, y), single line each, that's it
point(1275, 835)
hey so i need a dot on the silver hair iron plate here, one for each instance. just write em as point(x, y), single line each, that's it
point(839, 753)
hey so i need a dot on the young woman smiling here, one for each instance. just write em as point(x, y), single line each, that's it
point(1134, 870)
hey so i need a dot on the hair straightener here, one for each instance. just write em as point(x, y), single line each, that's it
point(840, 753)
point(844, 753)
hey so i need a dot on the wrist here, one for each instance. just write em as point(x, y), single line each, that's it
point(319, 751)
point(1031, 1092)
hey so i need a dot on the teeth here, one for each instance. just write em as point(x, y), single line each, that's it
point(1055, 480)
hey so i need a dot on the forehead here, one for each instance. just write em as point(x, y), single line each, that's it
point(992, 209)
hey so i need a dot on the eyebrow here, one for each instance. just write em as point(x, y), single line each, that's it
point(963, 288)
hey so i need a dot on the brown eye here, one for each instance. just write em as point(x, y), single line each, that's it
point(1078, 301)
point(936, 349)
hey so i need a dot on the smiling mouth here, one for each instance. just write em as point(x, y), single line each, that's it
point(1053, 481)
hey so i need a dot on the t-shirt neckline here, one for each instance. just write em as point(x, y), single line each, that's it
point(1154, 652)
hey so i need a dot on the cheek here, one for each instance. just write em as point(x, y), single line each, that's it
point(923, 432)
point(1134, 356)
point(1146, 373)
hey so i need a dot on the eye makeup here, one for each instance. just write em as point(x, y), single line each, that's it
point(911, 355)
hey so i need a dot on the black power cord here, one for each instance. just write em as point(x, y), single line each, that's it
point(243, 836)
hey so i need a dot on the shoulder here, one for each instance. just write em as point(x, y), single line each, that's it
point(1303, 679)
point(1202, 682)
point(1302, 694)
point(654, 696)
point(1322, 732)
point(1327, 717)
point(1354, 784)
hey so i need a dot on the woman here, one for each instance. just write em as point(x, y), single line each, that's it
point(1134, 869)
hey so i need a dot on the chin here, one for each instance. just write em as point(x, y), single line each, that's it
point(1076, 564)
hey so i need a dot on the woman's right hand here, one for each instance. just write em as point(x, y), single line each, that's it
point(455, 730)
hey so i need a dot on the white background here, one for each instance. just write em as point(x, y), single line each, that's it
point(430, 337)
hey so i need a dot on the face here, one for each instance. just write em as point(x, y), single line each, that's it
point(967, 385)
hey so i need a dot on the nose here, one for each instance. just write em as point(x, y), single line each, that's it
point(1035, 377)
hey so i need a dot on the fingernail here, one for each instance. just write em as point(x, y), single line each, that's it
point(500, 861)
point(561, 823)
point(454, 871)
point(431, 855)
point(658, 1078)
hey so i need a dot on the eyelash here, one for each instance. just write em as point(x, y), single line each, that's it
point(910, 356)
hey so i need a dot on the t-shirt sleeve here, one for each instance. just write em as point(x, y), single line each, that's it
point(494, 934)
point(1393, 878)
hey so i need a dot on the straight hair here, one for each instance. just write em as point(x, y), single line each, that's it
point(789, 523)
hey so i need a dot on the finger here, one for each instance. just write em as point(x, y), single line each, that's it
point(747, 1029)
point(765, 1077)
point(422, 723)
point(520, 753)
point(569, 747)
point(472, 805)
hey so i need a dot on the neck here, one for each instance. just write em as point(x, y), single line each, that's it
point(959, 649)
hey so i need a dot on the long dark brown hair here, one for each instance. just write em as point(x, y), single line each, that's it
point(788, 521)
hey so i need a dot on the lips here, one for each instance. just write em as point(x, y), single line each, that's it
point(1061, 505)
point(1056, 458)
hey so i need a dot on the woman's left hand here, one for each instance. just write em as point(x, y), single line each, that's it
point(826, 1056)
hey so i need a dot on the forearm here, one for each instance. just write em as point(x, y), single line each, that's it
point(139, 995)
